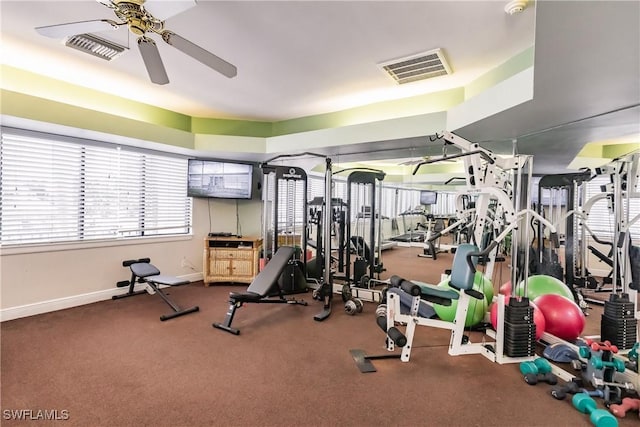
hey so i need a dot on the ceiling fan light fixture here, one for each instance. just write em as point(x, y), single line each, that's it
point(96, 46)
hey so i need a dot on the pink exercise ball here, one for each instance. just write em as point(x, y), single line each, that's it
point(505, 289)
point(563, 317)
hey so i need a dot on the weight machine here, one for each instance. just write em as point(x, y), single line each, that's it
point(568, 190)
point(285, 221)
point(363, 191)
point(363, 240)
point(294, 180)
point(497, 208)
point(618, 324)
point(619, 321)
point(461, 227)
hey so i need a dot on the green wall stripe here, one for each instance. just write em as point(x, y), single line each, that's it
point(211, 126)
point(509, 68)
point(44, 110)
point(413, 106)
point(617, 150)
point(47, 99)
point(38, 86)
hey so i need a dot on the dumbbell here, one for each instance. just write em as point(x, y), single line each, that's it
point(598, 417)
point(572, 387)
point(615, 363)
point(346, 293)
point(538, 371)
point(353, 306)
point(628, 404)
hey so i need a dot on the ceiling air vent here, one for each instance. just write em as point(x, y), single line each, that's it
point(95, 46)
point(417, 67)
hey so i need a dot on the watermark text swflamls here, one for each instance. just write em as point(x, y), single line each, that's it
point(35, 414)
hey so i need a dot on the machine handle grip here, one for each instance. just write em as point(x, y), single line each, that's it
point(483, 253)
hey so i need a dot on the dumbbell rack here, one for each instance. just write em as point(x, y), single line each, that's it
point(627, 376)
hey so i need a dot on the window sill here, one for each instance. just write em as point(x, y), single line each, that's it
point(73, 246)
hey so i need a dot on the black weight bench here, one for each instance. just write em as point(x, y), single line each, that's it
point(144, 272)
point(261, 290)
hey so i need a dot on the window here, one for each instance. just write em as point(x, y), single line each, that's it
point(55, 189)
point(601, 220)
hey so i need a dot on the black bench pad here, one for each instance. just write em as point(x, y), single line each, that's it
point(244, 297)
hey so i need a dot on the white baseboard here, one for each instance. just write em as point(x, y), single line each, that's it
point(73, 301)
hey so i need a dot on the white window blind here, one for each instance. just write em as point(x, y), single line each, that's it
point(54, 190)
point(445, 204)
point(388, 205)
point(290, 205)
point(408, 200)
point(165, 201)
point(315, 187)
point(601, 220)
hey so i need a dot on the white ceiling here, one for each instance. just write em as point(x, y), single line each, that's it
point(294, 58)
point(301, 58)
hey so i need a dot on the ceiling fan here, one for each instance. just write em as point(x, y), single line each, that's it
point(137, 17)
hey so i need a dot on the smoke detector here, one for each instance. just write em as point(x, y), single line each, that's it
point(515, 6)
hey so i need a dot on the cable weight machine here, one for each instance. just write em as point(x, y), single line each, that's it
point(285, 221)
point(359, 246)
point(362, 192)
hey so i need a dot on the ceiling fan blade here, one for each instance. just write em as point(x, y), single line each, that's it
point(199, 54)
point(61, 31)
point(164, 10)
point(152, 61)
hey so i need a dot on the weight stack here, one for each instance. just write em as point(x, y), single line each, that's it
point(617, 323)
point(519, 329)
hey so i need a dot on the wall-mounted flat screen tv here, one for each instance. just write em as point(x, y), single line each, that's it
point(221, 180)
point(428, 197)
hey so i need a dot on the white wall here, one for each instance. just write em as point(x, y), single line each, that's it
point(40, 279)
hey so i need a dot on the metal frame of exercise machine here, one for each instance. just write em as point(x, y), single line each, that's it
point(571, 184)
point(286, 185)
point(325, 290)
point(621, 189)
point(489, 178)
point(362, 191)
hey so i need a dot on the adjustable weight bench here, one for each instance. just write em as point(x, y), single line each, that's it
point(144, 272)
point(262, 288)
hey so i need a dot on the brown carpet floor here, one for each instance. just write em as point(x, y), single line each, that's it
point(114, 363)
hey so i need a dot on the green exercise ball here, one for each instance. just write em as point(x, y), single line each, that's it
point(487, 286)
point(543, 285)
point(477, 308)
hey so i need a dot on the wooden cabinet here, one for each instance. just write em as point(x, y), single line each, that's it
point(230, 259)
